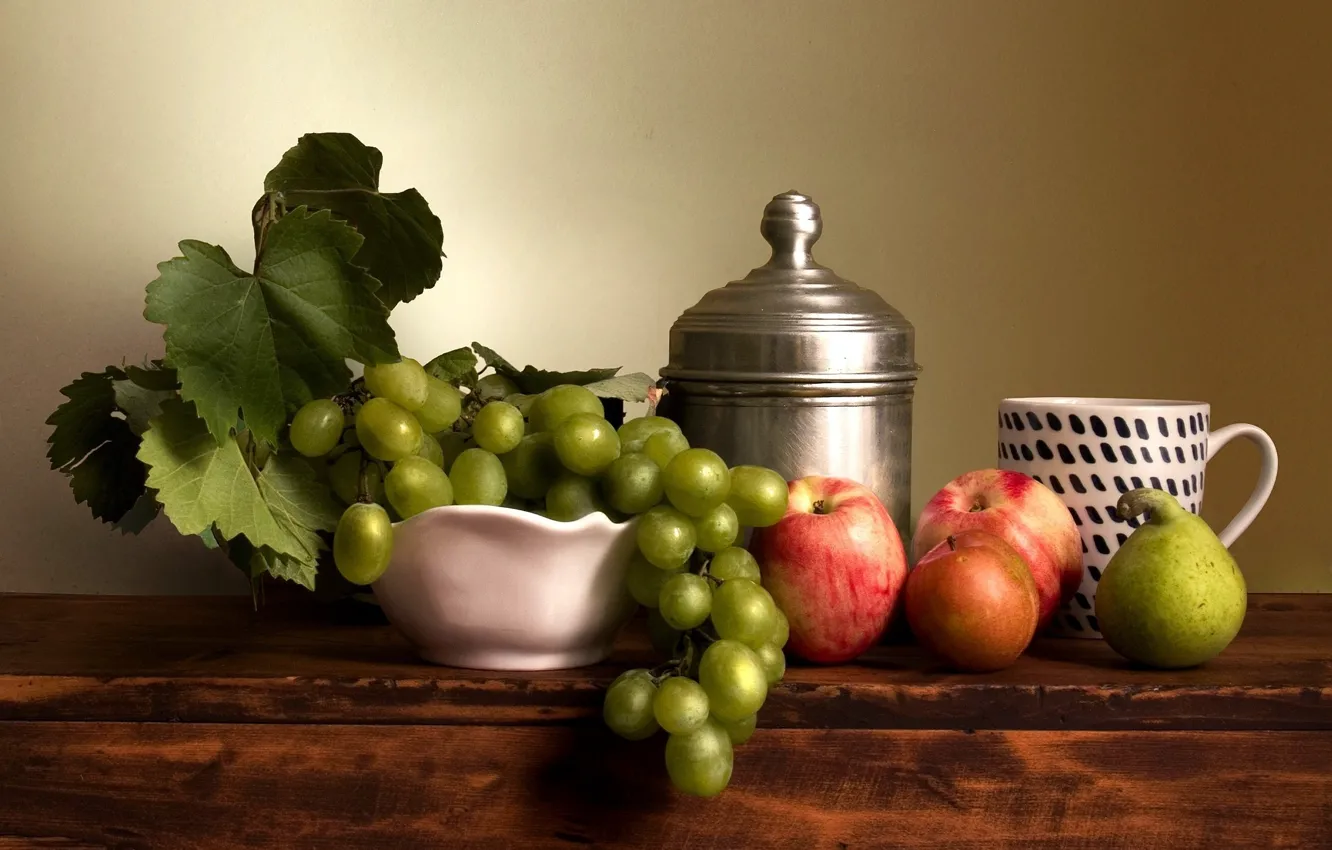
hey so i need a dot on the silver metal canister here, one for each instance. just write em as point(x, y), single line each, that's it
point(797, 369)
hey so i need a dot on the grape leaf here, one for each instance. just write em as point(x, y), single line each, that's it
point(632, 387)
point(255, 561)
point(92, 442)
point(201, 483)
point(494, 361)
point(144, 511)
point(267, 343)
point(532, 380)
point(138, 404)
point(337, 172)
point(154, 376)
point(452, 365)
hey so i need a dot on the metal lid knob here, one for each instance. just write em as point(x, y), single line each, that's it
point(792, 223)
point(792, 319)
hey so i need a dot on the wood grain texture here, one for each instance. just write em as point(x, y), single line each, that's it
point(199, 787)
point(217, 660)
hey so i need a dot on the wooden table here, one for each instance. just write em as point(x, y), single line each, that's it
point(182, 723)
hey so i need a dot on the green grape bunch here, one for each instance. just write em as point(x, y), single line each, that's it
point(402, 441)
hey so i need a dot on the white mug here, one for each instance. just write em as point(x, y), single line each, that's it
point(1090, 450)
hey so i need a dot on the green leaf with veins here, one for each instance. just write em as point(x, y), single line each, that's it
point(201, 483)
point(532, 380)
point(266, 343)
point(631, 387)
point(153, 376)
point(92, 442)
point(453, 365)
point(494, 361)
point(144, 511)
point(337, 172)
point(255, 561)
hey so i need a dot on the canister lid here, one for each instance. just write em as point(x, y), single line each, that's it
point(792, 319)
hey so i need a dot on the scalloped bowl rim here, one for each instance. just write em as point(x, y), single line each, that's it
point(596, 519)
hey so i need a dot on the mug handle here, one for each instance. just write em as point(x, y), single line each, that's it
point(1266, 475)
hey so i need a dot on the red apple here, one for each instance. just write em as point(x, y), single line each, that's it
point(971, 601)
point(835, 565)
point(1025, 513)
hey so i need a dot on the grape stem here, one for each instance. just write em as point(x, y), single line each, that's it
point(363, 480)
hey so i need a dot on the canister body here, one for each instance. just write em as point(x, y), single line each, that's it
point(859, 431)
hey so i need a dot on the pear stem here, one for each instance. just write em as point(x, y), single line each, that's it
point(1162, 505)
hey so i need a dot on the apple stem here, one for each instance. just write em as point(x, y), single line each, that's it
point(1161, 504)
point(818, 507)
point(952, 543)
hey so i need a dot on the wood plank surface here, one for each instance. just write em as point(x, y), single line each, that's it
point(199, 787)
point(215, 659)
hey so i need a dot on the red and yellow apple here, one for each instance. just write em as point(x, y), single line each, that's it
point(1021, 510)
point(971, 600)
point(835, 565)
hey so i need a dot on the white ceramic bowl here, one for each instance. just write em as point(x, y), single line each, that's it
point(503, 589)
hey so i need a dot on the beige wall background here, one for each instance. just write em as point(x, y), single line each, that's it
point(1094, 198)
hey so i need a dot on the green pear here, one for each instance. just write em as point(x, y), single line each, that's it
point(1172, 596)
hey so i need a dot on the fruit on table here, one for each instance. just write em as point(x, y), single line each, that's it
point(1025, 513)
point(696, 481)
point(404, 383)
point(1172, 596)
point(498, 427)
point(700, 762)
point(442, 407)
point(316, 428)
point(971, 601)
point(557, 404)
point(387, 431)
point(627, 709)
point(758, 496)
point(478, 478)
point(363, 543)
point(835, 565)
point(415, 484)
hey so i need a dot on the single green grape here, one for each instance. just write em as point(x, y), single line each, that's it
point(627, 708)
point(404, 383)
point(664, 638)
point(430, 449)
point(734, 678)
point(663, 446)
point(743, 610)
point(559, 403)
point(317, 427)
point(773, 660)
point(681, 705)
point(573, 497)
point(363, 543)
point(666, 537)
point(442, 407)
point(685, 601)
point(632, 483)
point(645, 580)
point(733, 562)
point(478, 479)
point(414, 484)
point(716, 529)
point(741, 730)
point(586, 443)
point(387, 431)
point(498, 427)
point(635, 432)
point(495, 386)
point(532, 466)
point(453, 443)
point(700, 762)
point(344, 476)
point(781, 630)
point(758, 495)
point(696, 481)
